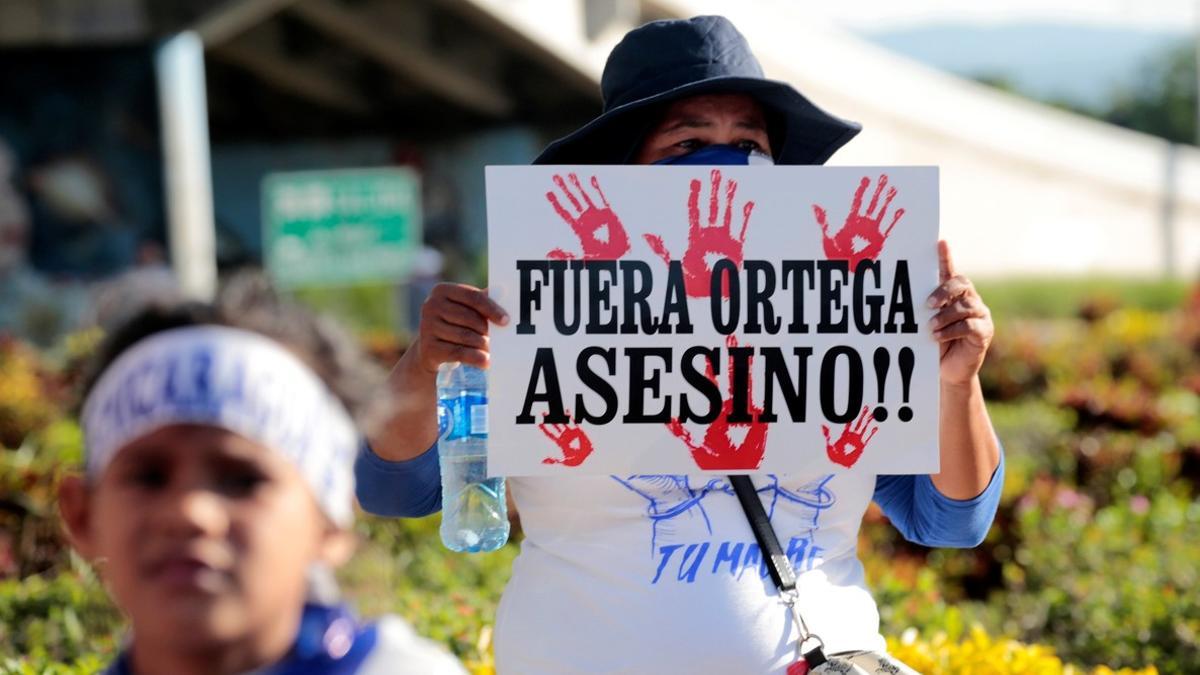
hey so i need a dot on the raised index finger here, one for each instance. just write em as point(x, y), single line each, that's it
point(478, 300)
point(945, 262)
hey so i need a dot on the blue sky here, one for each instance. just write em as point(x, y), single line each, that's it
point(880, 14)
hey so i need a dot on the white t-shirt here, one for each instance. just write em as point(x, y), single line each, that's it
point(616, 573)
point(400, 651)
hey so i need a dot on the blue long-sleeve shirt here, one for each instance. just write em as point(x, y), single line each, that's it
point(406, 489)
point(413, 488)
point(929, 518)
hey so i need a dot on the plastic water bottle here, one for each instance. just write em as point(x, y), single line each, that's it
point(474, 515)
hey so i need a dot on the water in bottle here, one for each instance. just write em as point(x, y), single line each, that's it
point(474, 516)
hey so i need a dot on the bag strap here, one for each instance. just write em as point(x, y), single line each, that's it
point(777, 562)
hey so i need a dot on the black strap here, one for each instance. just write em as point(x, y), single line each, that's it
point(777, 563)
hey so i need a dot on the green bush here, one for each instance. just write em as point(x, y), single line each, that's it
point(403, 568)
point(24, 406)
point(1092, 558)
point(1061, 297)
point(66, 618)
point(87, 665)
point(1093, 551)
point(30, 537)
point(1036, 437)
point(1118, 585)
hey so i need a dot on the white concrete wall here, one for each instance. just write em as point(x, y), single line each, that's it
point(1026, 189)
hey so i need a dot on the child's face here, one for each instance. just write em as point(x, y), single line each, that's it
point(203, 536)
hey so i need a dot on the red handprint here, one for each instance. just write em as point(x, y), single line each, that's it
point(571, 439)
point(860, 237)
point(600, 232)
point(714, 240)
point(850, 445)
point(717, 451)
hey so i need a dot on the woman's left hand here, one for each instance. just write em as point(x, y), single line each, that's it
point(962, 325)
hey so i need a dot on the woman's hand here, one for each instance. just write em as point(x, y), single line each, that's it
point(454, 326)
point(963, 324)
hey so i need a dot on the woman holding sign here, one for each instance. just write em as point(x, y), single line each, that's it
point(663, 573)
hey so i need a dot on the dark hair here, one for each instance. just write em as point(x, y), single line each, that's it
point(249, 302)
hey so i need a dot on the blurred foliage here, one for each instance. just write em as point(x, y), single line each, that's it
point(365, 308)
point(1094, 390)
point(61, 619)
point(88, 665)
point(1161, 102)
point(402, 568)
point(1093, 553)
point(977, 653)
point(1066, 297)
point(1114, 585)
point(30, 539)
point(22, 404)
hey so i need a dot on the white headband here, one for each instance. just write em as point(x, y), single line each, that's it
point(233, 379)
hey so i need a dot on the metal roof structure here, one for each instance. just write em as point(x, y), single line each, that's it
point(1026, 189)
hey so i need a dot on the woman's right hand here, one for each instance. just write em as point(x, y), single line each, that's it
point(454, 326)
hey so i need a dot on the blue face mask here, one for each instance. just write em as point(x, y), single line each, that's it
point(720, 155)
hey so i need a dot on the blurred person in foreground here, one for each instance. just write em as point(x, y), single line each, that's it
point(218, 492)
point(584, 595)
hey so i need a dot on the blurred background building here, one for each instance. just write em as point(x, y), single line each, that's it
point(135, 136)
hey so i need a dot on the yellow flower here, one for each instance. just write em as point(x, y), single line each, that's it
point(980, 654)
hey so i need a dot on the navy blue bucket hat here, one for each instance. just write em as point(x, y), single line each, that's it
point(664, 61)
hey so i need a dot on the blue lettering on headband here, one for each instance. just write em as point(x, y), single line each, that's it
point(233, 380)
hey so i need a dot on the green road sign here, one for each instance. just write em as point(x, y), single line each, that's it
point(326, 228)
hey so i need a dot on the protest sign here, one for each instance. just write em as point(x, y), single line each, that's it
point(722, 319)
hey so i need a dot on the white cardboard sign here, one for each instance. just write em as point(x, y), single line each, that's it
point(687, 319)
